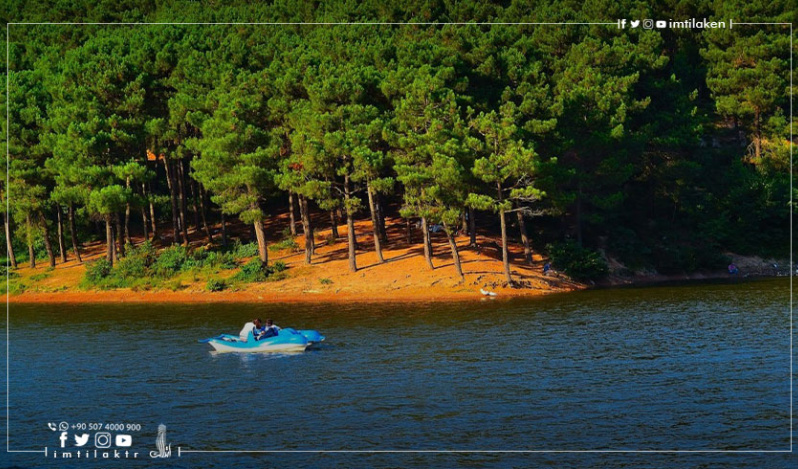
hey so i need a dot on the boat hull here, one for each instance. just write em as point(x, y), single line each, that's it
point(287, 340)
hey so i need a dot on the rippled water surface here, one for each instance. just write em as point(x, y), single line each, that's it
point(689, 368)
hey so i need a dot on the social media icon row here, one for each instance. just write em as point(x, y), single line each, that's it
point(101, 440)
point(647, 24)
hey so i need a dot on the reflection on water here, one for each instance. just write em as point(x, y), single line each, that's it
point(698, 367)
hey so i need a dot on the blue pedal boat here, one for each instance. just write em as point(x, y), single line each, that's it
point(287, 340)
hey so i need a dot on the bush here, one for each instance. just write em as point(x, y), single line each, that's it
point(97, 270)
point(170, 261)
point(287, 243)
point(325, 281)
point(221, 260)
point(257, 271)
point(252, 271)
point(242, 251)
point(215, 284)
point(578, 262)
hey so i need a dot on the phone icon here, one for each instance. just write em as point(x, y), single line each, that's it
point(51, 426)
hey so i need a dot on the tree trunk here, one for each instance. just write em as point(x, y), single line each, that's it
point(505, 253)
point(192, 185)
point(307, 228)
point(153, 220)
point(381, 219)
point(48, 245)
point(127, 216)
point(350, 227)
point(334, 224)
point(201, 194)
point(524, 237)
point(224, 229)
point(173, 197)
point(375, 225)
point(263, 253)
point(144, 224)
point(291, 214)
point(61, 242)
point(409, 231)
point(109, 240)
point(472, 227)
point(120, 235)
point(9, 242)
point(73, 231)
point(181, 183)
point(455, 253)
point(31, 252)
point(427, 244)
point(464, 223)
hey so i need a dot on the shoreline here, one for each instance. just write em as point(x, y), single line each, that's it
point(411, 296)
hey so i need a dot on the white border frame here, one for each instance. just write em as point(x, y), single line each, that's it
point(180, 451)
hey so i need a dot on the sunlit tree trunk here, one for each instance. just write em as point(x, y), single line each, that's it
point(350, 225)
point(375, 225)
point(61, 242)
point(427, 243)
point(12, 259)
point(455, 253)
point(73, 231)
point(524, 237)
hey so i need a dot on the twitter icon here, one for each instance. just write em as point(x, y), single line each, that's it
point(81, 440)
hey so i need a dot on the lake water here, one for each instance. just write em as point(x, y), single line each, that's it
point(679, 368)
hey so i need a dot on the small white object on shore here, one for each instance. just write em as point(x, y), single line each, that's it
point(487, 293)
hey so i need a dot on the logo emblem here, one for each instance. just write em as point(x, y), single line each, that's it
point(164, 450)
point(124, 441)
point(635, 23)
point(64, 437)
point(102, 440)
point(81, 440)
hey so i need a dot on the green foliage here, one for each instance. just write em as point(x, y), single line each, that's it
point(285, 244)
point(244, 251)
point(578, 262)
point(215, 284)
point(605, 122)
point(97, 271)
point(252, 271)
point(170, 261)
point(325, 281)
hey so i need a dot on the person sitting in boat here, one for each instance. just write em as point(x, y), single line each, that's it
point(261, 331)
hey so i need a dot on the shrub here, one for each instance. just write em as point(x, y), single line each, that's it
point(279, 266)
point(277, 276)
point(215, 284)
point(577, 261)
point(252, 271)
point(222, 260)
point(242, 251)
point(97, 270)
point(131, 267)
point(325, 281)
point(170, 260)
point(287, 243)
